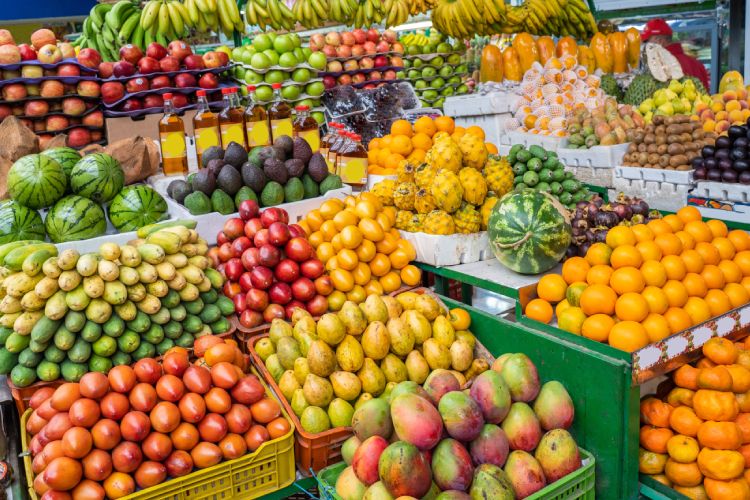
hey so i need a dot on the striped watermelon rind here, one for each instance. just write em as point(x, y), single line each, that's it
point(135, 207)
point(19, 223)
point(529, 231)
point(66, 157)
point(36, 181)
point(98, 177)
point(75, 218)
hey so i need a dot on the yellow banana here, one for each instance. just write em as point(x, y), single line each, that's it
point(193, 12)
point(319, 8)
point(225, 18)
point(164, 25)
point(184, 13)
point(175, 18)
point(149, 14)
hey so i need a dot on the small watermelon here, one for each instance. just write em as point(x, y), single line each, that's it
point(19, 223)
point(98, 177)
point(36, 181)
point(66, 157)
point(75, 218)
point(529, 231)
point(135, 207)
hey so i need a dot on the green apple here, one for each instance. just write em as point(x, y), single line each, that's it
point(417, 63)
point(272, 56)
point(413, 74)
point(407, 63)
point(262, 42)
point(237, 53)
point(264, 93)
point(437, 83)
point(454, 59)
point(294, 37)
point(437, 61)
point(274, 76)
point(428, 49)
point(272, 36)
point(287, 60)
point(420, 84)
point(260, 60)
point(447, 91)
point(243, 90)
point(439, 103)
point(425, 104)
point(443, 48)
point(315, 88)
point(250, 49)
point(454, 80)
point(283, 43)
point(413, 50)
point(247, 58)
point(252, 77)
point(238, 72)
point(429, 72)
point(319, 117)
point(430, 95)
point(445, 71)
point(305, 102)
point(307, 51)
point(461, 68)
point(400, 75)
point(317, 60)
point(301, 75)
point(462, 89)
point(290, 92)
point(299, 54)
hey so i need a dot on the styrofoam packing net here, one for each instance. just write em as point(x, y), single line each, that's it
point(558, 123)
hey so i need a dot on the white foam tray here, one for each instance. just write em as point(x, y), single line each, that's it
point(659, 195)
point(596, 157)
point(479, 104)
point(655, 174)
point(722, 191)
point(547, 142)
point(441, 250)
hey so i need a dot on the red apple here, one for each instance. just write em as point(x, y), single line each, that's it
point(398, 48)
point(148, 65)
point(344, 51)
point(252, 227)
point(245, 281)
point(138, 84)
point(208, 81)
point(273, 214)
point(291, 306)
point(193, 62)
point(334, 66)
point(376, 75)
point(389, 75)
point(106, 69)
point(261, 277)
point(296, 231)
point(169, 63)
point(369, 47)
point(153, 101)
point(329, 82)
point(5, 111)
point(88, 88)
point(312, 268)
point(280, 293)
point(95, 119)
point(274, 311)
point(303, 289)
point(347, 38)
point(54, 123)
point(132, 104)
point(324, 285)
point(390, 36)
point(210, 59)
point(53, 88)
point(48, 54)
point(250, 318)
point(78, 137)
point(359, 78)
point(6, 37)
point(241, 244)
point(229, 289)
point(382, 47)
point(44, 140)
point(257, 299)
point(333, 38)
point(373, 35)
point(73, 106)
point(156, 50)
point(344, 80)
point(396, 61)
point(287, 270)
point(123, 69)
point(179, 100)
point(261, 238)
point(317, 306)
point(317, 42)
point(249, 209)
point(35, 108)
point(298, 249)
point(185, 80)
point(329, 51)
point(130, 53)
point(67, 50)
point(366, 63)
point(250, 258)
point(179, 49)
point(27, 52)
point(269, 255)
point(358, 50)
point(381, 61)
point(233, 228)
point(68, 70)
point(360, 36)
point(223, 57)
point(42, 37)
point(112, 91)
point(160, 82)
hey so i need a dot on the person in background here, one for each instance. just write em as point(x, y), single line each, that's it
point(658, 31)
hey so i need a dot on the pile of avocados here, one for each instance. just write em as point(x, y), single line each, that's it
point(285, 172)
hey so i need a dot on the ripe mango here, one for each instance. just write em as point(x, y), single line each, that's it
point(490, 481)
point(553, 406)
point(365, 459)
point(439, 383)
point(492, 396)
point(416, 420)
point(557, 454)
point(451, 466)
point(348, 487)
point(372, 418)
point(404, 470)
point(521, 377)
point(490, 447)
point(522, 427)
point(525, 473)
point(461, 415)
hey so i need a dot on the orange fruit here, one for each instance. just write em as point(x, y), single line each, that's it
point(342, 219)
point(351, 237)
point(491, 148)
point(562, 305)
point(649, 250)
point(425, 125)
point(695, 285)
point(620, 235)
point(718, 302)
point(724, 246)
point(687, 240)
point(658, 226)
point(625, 255)
point(374, 288)
point(597, 299)
point(388, 244)
point(674, 267)
point(390, 282)
point(401, 127)
point(693, 261)
point(631, 307)
point(737, 294)
point(399, 259)
point(393, 160)
point(713, 276)
point(677, 319)
point(342, 280)
point(656, 326)
point(731, 271)
point(383, 155)
point(380, 265)
point(676, 293)
point(654, 273)
point(718, 228)
point(574, 291)
point(628, 336)
point(361, 274)
point(746, 283)
point(697, 309)
point(597, 327)
point(325, 251)
point(444, 124)
point(742, 259)
point(669, 244)
point(458, 132)
point(539, 310)
point(421, 141)
point(699, 230)
point(315, 239)
point(709, 252)
point(402, 145)
point(688, 213)
point(674, 222)
point(374, 143)
point(642, 233)
point(411, 275)
point(552, 288)
point(417, 155)
point(627, 279)
point(740, 239)
point(656, 299)
point(571, 320)
point(347, 259)
point(371, 230)
point(476, 131)
point(366, 251)
point(599, 274)
point(598, 253)
point(575, 269)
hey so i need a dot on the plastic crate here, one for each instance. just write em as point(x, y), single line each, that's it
point(578, 485)
point(489, 111)
point(450, 250)
point(268, 469)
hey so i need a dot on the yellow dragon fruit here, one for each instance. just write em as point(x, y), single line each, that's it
point(446, 190)
point(403, 219)
point(405, 171)
point(499, 175)
point(416, 223)
point(475, 187)
point(445, 154)
point(467, 219)
point(439, 222)
point(473, 150)
point(424, 203)
point(384, 191)
point(486, 210)
point(403, 196)
point(423, 176)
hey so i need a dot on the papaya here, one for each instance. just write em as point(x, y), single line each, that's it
point(491, 67)
point(546, 47)
point(732, 80)
point(586, 58)
point(511, 65)
point(618, 44)
point(602, 52)
point(528, 53)
point(634, 47)
point(567, 46)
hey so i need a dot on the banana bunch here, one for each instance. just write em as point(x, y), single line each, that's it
point(417, 7)
point(110, 26)
point(369, 12)
point(397, 12)
point(164, 21)
point(311, 13)
point(273, 13)
point(415, 39)
point(559, 17)
point(343, 11)
point(459, 18)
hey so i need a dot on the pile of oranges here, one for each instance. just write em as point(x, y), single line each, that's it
point(649, 281)
point(411, 142)
point(362, 251)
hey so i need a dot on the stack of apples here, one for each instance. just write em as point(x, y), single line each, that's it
point(160, 69)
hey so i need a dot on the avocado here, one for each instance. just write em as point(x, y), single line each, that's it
point(286, 144)
point(294, 167)
point(310, 187)
point(317, 167)
point(221, 202)
point(235, 155)
point(212, 153)
point(280, 153)
point(229, 180)
point(204, 182)
point(215, 166)
point(273, 194)
point(333, 181)
point(180, 189)
point(275, 170)
point(245, 193)
point(294, 190)
point(198, 203)
point(266, 153)
point(302, 150)
point(254, 156)
point(253, 176)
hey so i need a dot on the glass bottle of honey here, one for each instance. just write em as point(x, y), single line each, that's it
point(325, 145)
point(256, 121)
point(232, 119)
point(337, 145)
point(280, 115)
point(205, 127)
point(172, 140)
point(306, 127)
point(353, 161)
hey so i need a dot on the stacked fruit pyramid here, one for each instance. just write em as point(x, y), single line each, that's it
point(447, 189)
point(648, 281)
point(326, 368)
point(695, 434)
point(64, 315)
point(506, 437)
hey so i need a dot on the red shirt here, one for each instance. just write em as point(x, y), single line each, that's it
point(690, 65)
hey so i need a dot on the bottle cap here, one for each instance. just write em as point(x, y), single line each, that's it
point(201, 93)
point(226, 90)
point(168, 95)
point(302, 107)
point(276, 86)
point(251, 88)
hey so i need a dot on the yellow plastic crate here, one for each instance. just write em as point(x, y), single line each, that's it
point(268, 469)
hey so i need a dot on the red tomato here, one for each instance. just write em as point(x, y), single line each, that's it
point(170, 388)
point(122, 379)
point(197, 379)
point(165, 417)
point(63, 474)
point(40, 396)
point(97, 465)
point(157, 446)
point(205, 455)
point(150, 474)
point(106, 434)
point(218, 400)
point(126, 457)
point(94, 385)
point(64, 396)
point(239, 419)
point(256, 436)
point(233, 446)
point(213, 428)
point(143, 397)
point(185, 436)
point(265, 410)
point(278, 427)
point(179, 463)
point(135, 426)
point(77, 442)
point(90, 490)
point(224, 375)
point(84, 413)
point(114, 405)
point(192, 407)
point(119, 485)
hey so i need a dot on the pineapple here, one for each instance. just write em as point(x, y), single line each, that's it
point(403, 196)
point(424, 203)
point(416, 223)
point(423, 176)
point(384, 191)
point(475, 187)
point(467, 219)
point(447, 191)
point(445, 154)
point(499, 175)
point(403, 219)
point(486, 210)
point(405, 171)
point(439, 222)
point(473, 150)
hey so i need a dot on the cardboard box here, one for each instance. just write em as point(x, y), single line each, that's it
point(145, 126)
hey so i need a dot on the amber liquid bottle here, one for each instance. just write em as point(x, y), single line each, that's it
point(172, 140)
point(325, 144)
point(256, 122)
point(353, 161)
point(280, 115)
point(232, 119)
point(205, 127)
point(338, 144)
point(306, 127)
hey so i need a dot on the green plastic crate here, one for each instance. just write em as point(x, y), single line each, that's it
point(578, 485)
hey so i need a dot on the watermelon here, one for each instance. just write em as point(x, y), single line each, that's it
point(66, 157)
point(36, 181)
point(19, 223)
point(75, 218)
point(98, 177)
point(529, 231)
point(135, 207)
